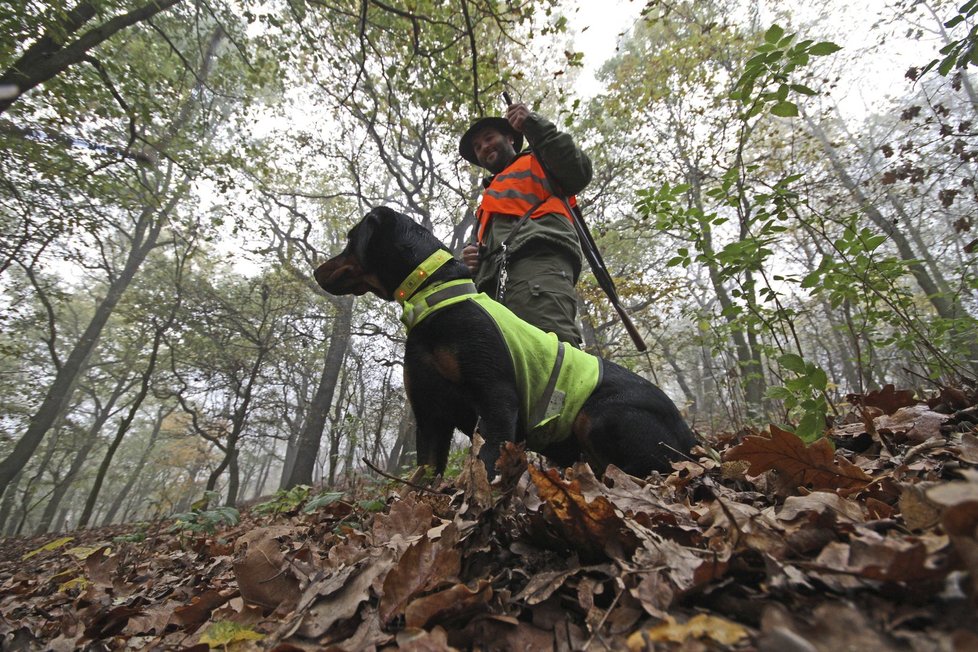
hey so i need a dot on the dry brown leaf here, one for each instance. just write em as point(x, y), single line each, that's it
point(820, 502)
point(919, 512)
point(871, 556)
point(339, 598)
point(631, 496)
point(751, 529)
point(835, 626)
point(199, 609)
point(888, 399)
point(264, 575)
point(474, 482)
point(542, 585)
point(424, 566)
point(406, 522)
point(815, 466)
point(654, 592)
point(592, 527)
point(967, 449)
point(506, 634)
point(917, 423)
point(453, 602)
point(960, 520)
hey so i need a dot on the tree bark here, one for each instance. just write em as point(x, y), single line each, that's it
point(126, 422)
point(946, 307)
point(144, 238)
point(307, 448)
point(161, 414)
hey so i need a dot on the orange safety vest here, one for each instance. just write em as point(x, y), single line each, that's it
point(516, 190)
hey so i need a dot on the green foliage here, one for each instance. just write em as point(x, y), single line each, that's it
point(137, 536)
point(803, 396)
point(322, 500)
point(374, 505)
point(200, 519)
point(284, 501)
point(456, 460)
point(962, 52)
point(765, 84)
point(856, 267)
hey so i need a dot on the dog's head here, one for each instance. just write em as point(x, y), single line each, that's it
point(381, 250)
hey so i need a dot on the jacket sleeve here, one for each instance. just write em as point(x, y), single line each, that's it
point(566, 162)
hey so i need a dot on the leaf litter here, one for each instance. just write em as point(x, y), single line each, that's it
point(867, 538)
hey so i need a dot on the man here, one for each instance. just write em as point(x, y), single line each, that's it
point(542, 255)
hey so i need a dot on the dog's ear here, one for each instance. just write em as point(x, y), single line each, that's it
point(360, 236)
point(376, 220)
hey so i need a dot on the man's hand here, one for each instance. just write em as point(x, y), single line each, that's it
point(470, 257)
point(517, 115)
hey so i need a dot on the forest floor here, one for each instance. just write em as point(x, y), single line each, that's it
point(758, 543)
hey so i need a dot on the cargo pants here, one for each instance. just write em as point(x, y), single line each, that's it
point(540, 290)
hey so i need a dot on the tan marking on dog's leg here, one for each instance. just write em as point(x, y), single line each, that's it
point(446, 362)
point(582, 432)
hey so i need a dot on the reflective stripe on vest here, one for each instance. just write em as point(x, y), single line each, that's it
point(516, 190)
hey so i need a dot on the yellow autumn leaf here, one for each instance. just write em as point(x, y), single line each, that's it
point(84, 552)
point(53, 545)
point(224, 632)
point(720, 630)
point(75, 583)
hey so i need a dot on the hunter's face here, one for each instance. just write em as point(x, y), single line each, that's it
point(493, 149)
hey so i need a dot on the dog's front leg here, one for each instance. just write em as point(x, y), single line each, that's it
point(499, 422)
point(433, 439)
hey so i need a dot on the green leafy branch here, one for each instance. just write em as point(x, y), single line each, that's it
point(770, 70)
point(962, 52)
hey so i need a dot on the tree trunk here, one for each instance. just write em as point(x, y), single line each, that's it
point(307, 448)
point(62, 487)
point(124, 424)
point(679, 376)
point(750, 367)
point(948, 308)
point(405, 443)
point(336, 431)
point(144, 238)
point(7, 505)
point(161, 414)
point(59, 394)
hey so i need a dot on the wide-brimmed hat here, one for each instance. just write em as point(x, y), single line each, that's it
point(501, 124)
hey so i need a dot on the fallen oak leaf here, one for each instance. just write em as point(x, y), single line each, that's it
point(721, 630)
point(815, 466)
point(199, 609)
point(593, 527)
point(338, 598)
point(425, 565)
point(888, 399)
point(960, 520)
point(907, 559)
point(264, 575)
point(451, 603)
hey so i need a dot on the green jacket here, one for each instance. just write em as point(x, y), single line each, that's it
point(573, 171)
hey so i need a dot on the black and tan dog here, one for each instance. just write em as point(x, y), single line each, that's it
point(462, 367)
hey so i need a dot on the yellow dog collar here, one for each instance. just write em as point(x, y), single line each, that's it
point(420, 275)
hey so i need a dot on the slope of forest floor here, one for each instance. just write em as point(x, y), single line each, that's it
point(758, 543)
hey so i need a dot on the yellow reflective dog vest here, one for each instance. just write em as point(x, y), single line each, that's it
point(554, 379)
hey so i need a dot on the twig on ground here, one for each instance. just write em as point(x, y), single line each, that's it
point(395, 478)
